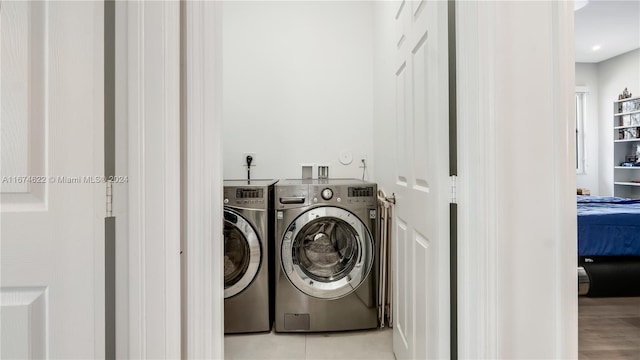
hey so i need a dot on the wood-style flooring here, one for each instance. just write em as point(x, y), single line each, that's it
point(609, 328)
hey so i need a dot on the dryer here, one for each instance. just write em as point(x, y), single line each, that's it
point(248, 239)
point(326, 255)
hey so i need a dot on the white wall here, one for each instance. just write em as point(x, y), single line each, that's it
point(587, 77)
point(384, 94)
point(613, 76)
point(298, 87)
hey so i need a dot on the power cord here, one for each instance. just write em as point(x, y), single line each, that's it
point(364, 167)
point(249, 160)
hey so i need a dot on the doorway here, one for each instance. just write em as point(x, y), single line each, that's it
point(607, 53)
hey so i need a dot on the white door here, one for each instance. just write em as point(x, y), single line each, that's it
point(421, 280)
point(52, 212)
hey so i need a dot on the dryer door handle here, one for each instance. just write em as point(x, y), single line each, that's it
point(292, 200)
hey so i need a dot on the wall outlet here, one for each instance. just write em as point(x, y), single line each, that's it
point(244, 159)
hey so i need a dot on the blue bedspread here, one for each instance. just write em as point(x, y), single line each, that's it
point(608, 226)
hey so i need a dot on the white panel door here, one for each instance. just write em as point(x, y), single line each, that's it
point(421, 301)
point(52, 212)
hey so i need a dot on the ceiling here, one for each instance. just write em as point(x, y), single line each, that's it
point(614, 25)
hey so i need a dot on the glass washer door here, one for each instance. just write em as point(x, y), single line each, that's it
point(327, 252)
point(242, 253)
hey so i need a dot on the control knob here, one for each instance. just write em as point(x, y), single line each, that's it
point(327, 194)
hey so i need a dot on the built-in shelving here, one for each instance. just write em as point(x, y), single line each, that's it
point(626, 183)
point(626, 139)
point(625, 127)
point(627, 113)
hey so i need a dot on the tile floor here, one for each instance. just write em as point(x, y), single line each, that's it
point(369, 344)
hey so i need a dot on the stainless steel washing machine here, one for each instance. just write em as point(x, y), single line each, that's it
point(326, 262)
point(248, 242)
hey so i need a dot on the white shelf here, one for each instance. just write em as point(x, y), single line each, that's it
point(627, 113)
point(626, 183)
point(627, 99)
point(625, 177)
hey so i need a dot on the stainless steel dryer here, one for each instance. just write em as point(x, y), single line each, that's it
point(248, 237)
point(326, 262)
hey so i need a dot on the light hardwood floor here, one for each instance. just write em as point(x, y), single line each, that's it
point(609, 328)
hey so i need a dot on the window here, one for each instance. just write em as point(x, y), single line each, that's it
point(581, 106)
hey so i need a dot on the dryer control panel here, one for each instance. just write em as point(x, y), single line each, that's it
point(249, 197)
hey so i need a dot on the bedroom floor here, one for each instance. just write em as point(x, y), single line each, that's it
point(609, 328)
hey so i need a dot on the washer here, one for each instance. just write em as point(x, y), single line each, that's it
point(248, 239)
point(326, 258)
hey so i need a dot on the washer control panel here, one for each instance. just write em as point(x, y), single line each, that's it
point(362, 195)
point(299, 193)
point(294, 196)
point(327, 194)
point(345, 195)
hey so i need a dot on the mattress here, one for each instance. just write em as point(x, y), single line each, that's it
point(608, 226)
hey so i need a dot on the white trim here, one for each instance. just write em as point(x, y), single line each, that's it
point(121, 191)
point(477, 318)
point(581, 146)
point(566, 291)
point(582, 89)
point(204, 246)
point(154, 179)
point(494, 281)
point(98, 192)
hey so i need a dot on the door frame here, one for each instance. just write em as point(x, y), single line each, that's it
point(486, 328)
point(153, 156)
point(170, 295)
point(203, 329)
point(478, 276)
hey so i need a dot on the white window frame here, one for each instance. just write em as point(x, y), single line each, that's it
point(581, 119)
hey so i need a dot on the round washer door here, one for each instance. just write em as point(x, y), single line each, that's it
point(327, 252)
point(242, 253)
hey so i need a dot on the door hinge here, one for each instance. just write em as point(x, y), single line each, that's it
point(109, 198)
point(454, 199)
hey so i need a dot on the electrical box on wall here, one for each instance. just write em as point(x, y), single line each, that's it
point(307, 171)
point(323, 171)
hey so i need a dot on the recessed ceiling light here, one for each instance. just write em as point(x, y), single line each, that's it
point(595, 47)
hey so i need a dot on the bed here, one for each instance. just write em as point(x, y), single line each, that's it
point(609, 245)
